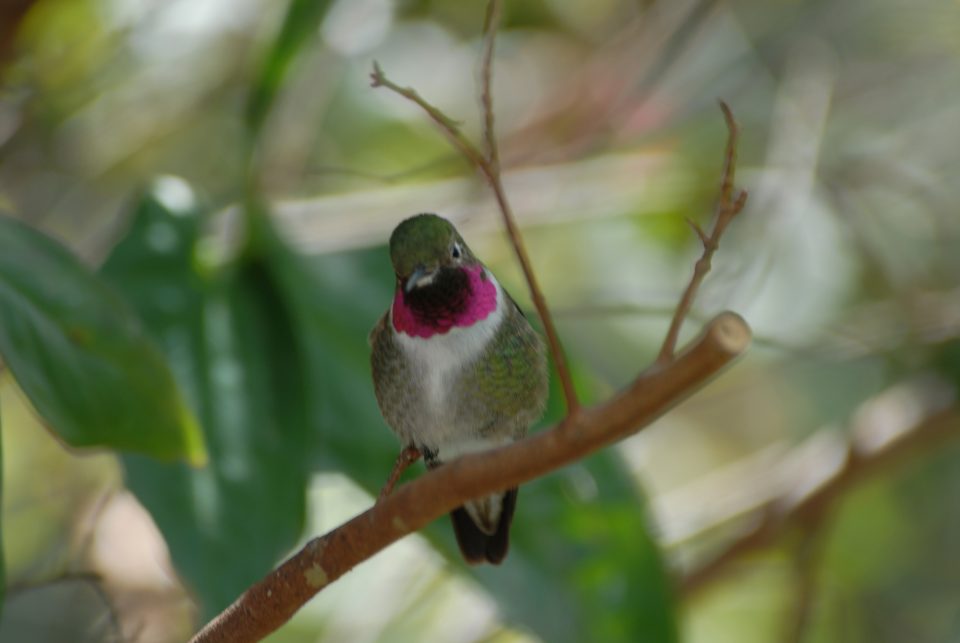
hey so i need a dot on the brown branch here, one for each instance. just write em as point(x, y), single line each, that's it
point(553, 338)
point(489, 166)
point(863, 456)
point(491, 170)
point(272, 601)
point(727, 208)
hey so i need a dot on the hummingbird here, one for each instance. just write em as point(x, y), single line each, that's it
point(457, 368)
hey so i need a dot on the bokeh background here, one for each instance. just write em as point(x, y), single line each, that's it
point(811, 493)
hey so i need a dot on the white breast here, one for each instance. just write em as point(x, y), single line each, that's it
point(437, 361)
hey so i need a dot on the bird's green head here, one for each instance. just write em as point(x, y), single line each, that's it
point(423, 245)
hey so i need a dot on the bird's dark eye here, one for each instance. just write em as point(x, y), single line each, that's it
point(455, 251)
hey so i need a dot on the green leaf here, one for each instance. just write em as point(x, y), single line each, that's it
point(339, 297)
point(300, 23)
point(618, 572)
point(232, 344)
point(79, 353)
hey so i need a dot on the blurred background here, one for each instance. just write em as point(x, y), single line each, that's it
point(810, 493)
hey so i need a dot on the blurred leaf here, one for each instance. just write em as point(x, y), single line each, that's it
point(618, 572)
point(946, 361)
point(231, 342)
point(338, 298)
point(300, 23)
point(78, 351)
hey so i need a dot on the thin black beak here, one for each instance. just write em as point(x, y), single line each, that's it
point(419, 274)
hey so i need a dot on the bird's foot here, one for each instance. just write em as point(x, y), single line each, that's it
point(407, 457)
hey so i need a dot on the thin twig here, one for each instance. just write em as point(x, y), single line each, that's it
point(271, 602)
point(728, 207)
point(489, 166)
point(447, 125)
point(539, 301)
point(491, 26)
point(491, 169)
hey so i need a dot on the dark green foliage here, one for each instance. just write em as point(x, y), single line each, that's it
point(230, 339)
point(78, 351)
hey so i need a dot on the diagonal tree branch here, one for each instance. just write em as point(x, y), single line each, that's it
point(272, 601)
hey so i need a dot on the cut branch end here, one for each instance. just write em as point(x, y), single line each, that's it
point(730, 332)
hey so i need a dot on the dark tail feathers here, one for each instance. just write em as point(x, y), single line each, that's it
point(478, 547)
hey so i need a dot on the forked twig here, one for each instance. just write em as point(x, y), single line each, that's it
point(728, 206)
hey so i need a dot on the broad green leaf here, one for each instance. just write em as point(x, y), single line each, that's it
point(582, 566)
point(300, 23)
point(79, 353)
point(230, 340)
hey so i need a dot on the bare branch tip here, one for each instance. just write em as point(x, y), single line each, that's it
point(698, 231)
point(728, 116)
point(731, 332)
point(376, 76)
point(491, 19)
